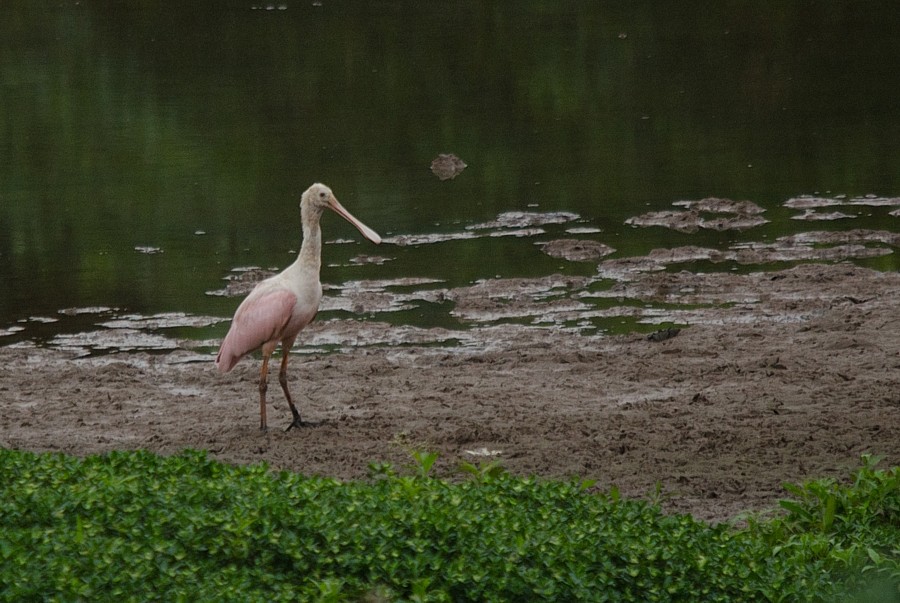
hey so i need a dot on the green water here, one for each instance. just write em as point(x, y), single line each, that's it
point(193, 127)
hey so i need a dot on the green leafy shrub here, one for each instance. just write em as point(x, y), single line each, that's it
point(852, 530)
point(132, 526)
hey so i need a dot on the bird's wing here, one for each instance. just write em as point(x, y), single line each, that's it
point(259, 319)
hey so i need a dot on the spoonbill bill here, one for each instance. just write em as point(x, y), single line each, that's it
point(279, 307)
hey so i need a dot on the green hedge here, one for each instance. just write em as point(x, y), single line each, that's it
point(136, 526)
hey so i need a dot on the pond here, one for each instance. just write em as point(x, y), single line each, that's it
point(153, 157)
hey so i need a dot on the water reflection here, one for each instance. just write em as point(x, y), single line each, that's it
point(128, 129)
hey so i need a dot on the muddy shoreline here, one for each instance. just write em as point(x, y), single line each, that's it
point(781, 376)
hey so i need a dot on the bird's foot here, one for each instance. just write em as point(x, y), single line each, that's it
point(263, 429)
point(296, 423)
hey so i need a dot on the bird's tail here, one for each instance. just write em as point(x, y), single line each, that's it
point(226, 361)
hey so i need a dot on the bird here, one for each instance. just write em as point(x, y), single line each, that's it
point(279, 307)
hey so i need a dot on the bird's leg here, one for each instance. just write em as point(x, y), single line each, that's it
point(282, 379)
point(263, 386)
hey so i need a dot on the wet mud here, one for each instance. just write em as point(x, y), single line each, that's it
point(774, 376)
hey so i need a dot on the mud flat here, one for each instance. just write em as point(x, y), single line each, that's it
point(775, 376)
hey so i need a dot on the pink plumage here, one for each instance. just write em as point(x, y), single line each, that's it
point(260, 321)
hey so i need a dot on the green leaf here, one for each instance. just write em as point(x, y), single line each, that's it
point(828, 513)
point(874, 556)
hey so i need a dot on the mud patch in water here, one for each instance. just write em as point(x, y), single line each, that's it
point(711, 213)
point(808, 246)
point(513, 223)
point(811, 215)
point(148, 249)
point(857, 236)
point(429, 239)
point(87, 310)
point(810, 205)
point(376, 260)
point(576, 250)
point(814, 202)
point(524, 219)
point(108, 340)
point(373, 296)
point(242, 279)
point(503, 299)
point(166, 320)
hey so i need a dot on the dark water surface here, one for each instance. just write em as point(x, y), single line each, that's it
point(147, 150)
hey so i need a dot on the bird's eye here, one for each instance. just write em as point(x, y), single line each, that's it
point(322, 195)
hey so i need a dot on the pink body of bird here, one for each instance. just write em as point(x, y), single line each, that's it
point(279, 307)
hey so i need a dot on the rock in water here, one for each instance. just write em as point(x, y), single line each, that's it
point(447, 165)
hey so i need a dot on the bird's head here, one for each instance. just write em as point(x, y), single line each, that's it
point(318, 197)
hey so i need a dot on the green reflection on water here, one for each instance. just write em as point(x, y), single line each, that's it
point(129, 124)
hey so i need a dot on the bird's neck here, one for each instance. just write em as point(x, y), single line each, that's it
point(310, 256)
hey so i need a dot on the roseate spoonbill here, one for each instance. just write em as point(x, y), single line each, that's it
point(279, 307)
